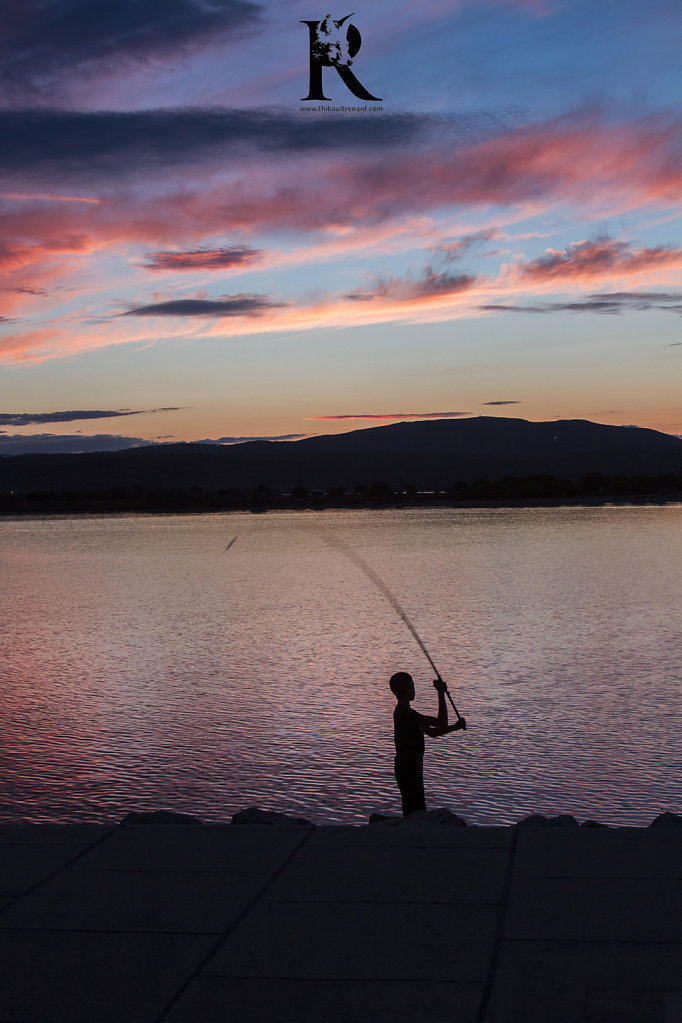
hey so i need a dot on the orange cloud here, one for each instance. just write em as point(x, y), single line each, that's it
point(603, 257)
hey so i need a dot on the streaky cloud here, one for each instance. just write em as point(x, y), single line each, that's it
point(389, 415)
point(25, 291)
point(615, 302)
point(48, 43)
point(95, 145)
point(246, 440)
point(407, 289)
point(595, 258)
point(203, 259)
point(501, 403)
point(49, 443)
point(452, 250)
point(34, 418)
point(234, 305)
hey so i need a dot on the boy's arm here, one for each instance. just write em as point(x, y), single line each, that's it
point(434, 730)
point(442, 720)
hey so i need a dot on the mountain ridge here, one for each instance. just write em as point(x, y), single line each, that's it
point(426, 453)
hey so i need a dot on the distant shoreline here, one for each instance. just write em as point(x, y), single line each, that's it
point(189, 505)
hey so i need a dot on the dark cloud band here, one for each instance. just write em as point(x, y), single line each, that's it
point(614, 302)
point(49, 443)
point(236, 305)
point(33, 418)
point(49, 144)
point(49, 42)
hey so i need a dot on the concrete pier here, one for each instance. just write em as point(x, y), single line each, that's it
point(200, 924)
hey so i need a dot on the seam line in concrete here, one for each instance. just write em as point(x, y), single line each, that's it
point(625, 942)
point(152, 871)
point(388, 901)
point(117, 932)
point(499, 933)
point(48, 877)
point(226, 934)
point(379, 978)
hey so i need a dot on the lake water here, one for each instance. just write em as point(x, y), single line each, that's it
point(145, 665)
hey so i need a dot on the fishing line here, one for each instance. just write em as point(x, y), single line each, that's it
point(383, 588)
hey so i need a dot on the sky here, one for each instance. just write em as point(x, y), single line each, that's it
point(193, 249)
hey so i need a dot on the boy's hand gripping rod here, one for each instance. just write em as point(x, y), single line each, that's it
point(381, 585)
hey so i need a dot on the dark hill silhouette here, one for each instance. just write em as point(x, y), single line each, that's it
point(426, 454)
point(493, 435)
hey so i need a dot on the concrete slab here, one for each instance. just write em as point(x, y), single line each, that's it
point(672, 1006)
point(94, 978)
point(217, 999)
point(52, 834)
point(624, 1005)
point(392, 874)
point(377, 941)
point(380, 923)
point(537, 981)
point(413, 835)
point(595, 909)
point(89, 900)
point(23, 866)
point(226, 848)
point(599, 853)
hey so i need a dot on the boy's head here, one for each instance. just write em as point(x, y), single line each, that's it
point(402, 685)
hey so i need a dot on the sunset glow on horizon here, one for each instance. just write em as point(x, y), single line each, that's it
point(190, 251)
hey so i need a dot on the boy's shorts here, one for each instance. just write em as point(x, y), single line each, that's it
point(410, 777)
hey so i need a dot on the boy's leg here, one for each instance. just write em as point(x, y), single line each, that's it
point(410, 778)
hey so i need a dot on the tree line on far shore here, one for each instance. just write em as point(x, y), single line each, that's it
point(593, 486)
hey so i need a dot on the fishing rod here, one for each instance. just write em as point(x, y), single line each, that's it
point(383, 588)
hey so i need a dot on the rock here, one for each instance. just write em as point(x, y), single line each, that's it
point(538, 820)
point(667, 820)
point(440, 817)
point(269, 819)
point(564, 820)
point(445, 817)
point(160, 819)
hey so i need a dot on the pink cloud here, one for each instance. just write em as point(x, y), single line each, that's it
point(339, 207)
point(203, 259)
point(567, 159)
point(431, 285)
point(390, 415)
point(49, 197)
point(603, 257)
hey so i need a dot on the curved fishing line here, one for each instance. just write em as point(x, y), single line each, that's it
point(393, 601)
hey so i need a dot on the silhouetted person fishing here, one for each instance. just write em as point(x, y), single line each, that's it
point(409, 729)
point(409, 726)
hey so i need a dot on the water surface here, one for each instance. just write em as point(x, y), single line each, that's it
point(144, 665)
